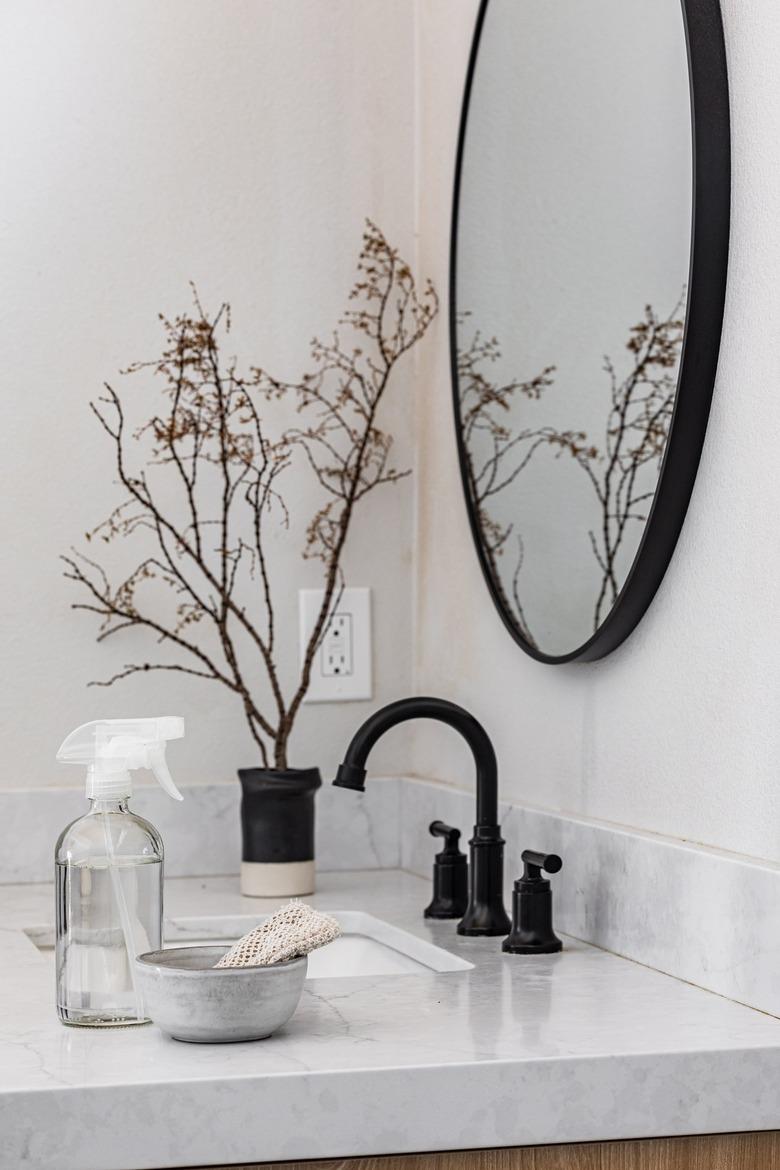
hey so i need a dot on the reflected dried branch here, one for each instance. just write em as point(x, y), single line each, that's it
point(640, 410)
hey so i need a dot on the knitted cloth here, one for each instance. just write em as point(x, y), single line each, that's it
point(294, 930)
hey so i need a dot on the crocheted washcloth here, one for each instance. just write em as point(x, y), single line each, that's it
point(294, 930)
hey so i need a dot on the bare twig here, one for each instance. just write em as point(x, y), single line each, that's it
point(639, 415)
point(637, 427)
point(213, 440)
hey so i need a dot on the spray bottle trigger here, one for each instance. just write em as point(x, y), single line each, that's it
point(159, 766)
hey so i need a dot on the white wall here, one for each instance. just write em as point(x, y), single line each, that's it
point(239, 145)
point(678, 732)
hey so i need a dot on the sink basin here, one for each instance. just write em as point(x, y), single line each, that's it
point(368, 945)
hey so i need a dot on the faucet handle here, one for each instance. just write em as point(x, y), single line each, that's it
point(451, 838)
point(534, 863)
point(450, 875)
point(532, 928)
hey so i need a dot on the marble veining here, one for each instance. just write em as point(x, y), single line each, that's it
point(578, 1046)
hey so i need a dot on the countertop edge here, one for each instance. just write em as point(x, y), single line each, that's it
point(391, 1110)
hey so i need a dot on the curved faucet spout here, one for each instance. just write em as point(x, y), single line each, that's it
point(352, 773)
point(485, 914)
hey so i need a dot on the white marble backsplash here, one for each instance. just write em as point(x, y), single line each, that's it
point(703, 915)
point(202, 835)
point(709, 917)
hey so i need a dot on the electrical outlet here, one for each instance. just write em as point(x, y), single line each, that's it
point(337, 649)
point(341, 670)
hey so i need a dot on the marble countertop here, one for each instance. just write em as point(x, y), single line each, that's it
point(579, 1046)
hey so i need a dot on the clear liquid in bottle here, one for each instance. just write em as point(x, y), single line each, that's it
point(109, 909)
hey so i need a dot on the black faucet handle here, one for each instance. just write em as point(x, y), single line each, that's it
point(534, 863)
point(450, 875)
point(532, 926)
point(451, 837)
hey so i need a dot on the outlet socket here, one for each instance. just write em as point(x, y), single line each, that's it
point(341, 671)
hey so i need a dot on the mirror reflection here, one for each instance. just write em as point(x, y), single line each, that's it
point(573, 244)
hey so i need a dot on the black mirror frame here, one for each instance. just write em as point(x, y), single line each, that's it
point(709, 92)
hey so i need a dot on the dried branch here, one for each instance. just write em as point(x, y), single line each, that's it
point(637, 428)
point(641, 406)
point(211, 442)
point(495, 455)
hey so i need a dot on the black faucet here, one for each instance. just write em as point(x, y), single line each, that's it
point(485, 913)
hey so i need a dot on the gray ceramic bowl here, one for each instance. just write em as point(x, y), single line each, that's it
point(190, 1000)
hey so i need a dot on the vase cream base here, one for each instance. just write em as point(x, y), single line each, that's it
point(271, 879)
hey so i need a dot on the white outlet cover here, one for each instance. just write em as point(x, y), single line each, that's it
point(340, 672)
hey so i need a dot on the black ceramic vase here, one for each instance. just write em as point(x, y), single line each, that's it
point(277, 831)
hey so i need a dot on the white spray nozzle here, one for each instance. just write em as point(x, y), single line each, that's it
point(111, 749)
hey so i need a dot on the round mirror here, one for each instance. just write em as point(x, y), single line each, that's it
point(589, 251)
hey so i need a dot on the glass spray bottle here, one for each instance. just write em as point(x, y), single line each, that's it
point(109, 873)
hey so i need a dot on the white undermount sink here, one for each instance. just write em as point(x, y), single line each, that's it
point(367, 946)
